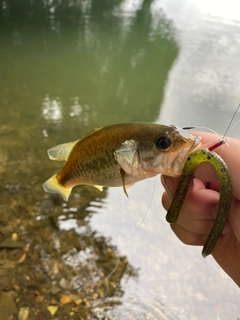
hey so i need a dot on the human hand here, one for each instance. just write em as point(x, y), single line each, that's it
point(201, 203)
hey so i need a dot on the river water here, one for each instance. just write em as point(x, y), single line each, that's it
point(66, 68)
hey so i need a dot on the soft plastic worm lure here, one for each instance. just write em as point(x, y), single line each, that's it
point(194, 159)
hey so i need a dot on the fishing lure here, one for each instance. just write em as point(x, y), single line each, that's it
point(194, 159)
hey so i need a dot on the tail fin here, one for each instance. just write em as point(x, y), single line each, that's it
point(52, 185)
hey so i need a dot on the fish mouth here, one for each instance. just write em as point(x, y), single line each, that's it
point(197, 143)
point(178, 158)
point(196, 140)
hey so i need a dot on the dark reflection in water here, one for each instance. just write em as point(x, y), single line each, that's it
point(67, 67)
point(85, 55)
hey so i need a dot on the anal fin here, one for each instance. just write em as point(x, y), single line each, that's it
point(99, 187)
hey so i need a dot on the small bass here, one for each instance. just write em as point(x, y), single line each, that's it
point(120, 155)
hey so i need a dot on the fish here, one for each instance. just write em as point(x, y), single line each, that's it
point(120, 155)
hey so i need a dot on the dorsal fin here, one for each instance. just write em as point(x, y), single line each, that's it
point(62, 151)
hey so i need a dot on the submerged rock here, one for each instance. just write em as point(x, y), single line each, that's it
point(7, 305)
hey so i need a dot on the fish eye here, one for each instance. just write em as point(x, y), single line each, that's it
point(163, 143)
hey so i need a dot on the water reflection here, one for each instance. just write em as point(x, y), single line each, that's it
point(209, 49)
point(96, 52)
point(52, 109)
point(83, 259)
point(67, 67)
